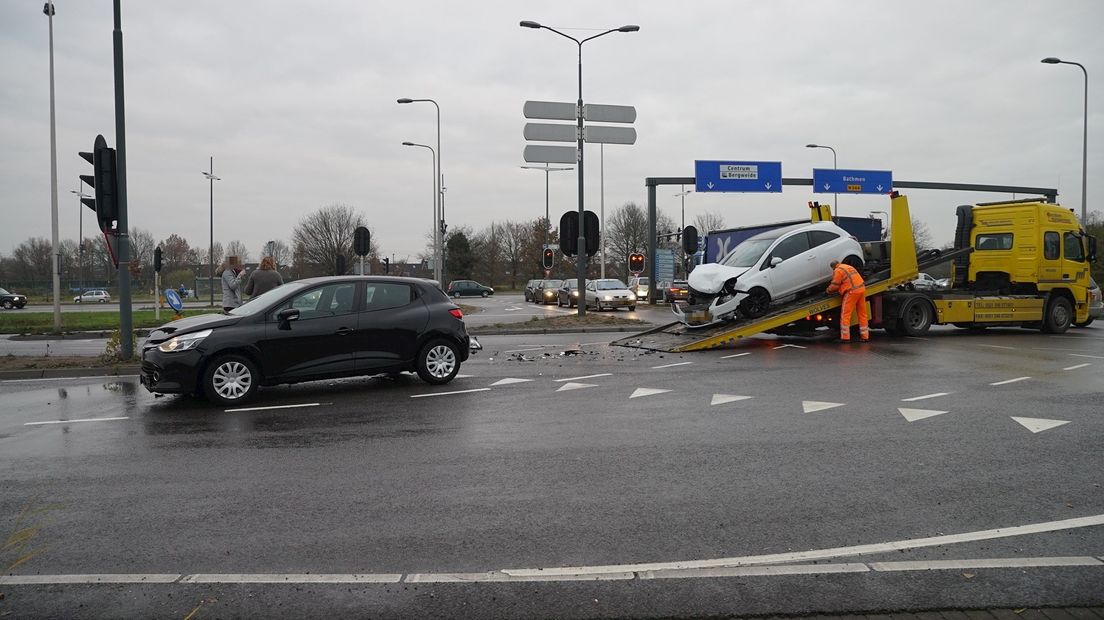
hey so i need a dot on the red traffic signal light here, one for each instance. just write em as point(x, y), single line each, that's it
point(549, 258)
point(636, 263)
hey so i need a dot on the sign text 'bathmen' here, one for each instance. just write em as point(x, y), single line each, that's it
point(738, 176)
point(835, 181)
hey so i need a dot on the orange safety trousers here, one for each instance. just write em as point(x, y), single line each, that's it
point(855, 299)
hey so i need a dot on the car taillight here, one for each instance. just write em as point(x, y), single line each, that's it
point(456, 312)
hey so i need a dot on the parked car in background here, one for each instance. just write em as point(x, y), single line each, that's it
point(772, 265)
point(1096, 304)
point(96, 295)
point(545, 292)
point(639, 286)
point(12, 300)
point(672, 290)
point(925, 282)
point(609, 293)
point(317, 328)
point(460, 288)
point(529, 286)
point(568, 293)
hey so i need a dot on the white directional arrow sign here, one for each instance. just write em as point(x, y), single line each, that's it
point(767, 185)
point(574, 386)
point(710, 185)
point(720, 399)
point(913, 415)
point(827, 187)
point(509, 380)
point(1038, 425)
point(811, 406)
point(879, 188)
point(647, 392)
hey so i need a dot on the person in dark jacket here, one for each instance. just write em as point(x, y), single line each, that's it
point(232, 274)
point(264, 279)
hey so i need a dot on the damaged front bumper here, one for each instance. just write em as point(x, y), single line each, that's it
point(715, 309)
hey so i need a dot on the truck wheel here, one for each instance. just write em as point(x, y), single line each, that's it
point(916, 318)
point(1059, 315)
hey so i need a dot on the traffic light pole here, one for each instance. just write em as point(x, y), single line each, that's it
point(126, 331)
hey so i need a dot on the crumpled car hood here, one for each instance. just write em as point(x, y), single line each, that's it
point(710, 277)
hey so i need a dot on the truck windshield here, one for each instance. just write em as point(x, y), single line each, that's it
point(747, 253)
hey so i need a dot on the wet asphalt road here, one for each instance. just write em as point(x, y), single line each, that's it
point(397, 478)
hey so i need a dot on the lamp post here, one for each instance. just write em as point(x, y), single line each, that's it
point(547, 169)
point(439, 197)
point(682, 226)
point(834, 167)
point(1084, 135)
point(433, 173)
point(581, 255)
point(48, 10)
point(80, 231)
point(885, 231)
point(210, 175)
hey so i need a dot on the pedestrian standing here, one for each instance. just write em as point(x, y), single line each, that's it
point(232, 274)
point(847, 281)
point(264, 279)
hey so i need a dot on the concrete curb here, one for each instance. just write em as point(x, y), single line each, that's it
point(61, 373)
point(476, 331)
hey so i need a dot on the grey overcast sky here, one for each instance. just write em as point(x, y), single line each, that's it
point(296, 103)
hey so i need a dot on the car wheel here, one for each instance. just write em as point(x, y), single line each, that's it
point(854, 261)
point(1059, 315)
point(755, 304)
point(632, 308)
point(916, 317)
point(438, 362)
point(7, 304)
point(77, 300)
point(483, 294)
point(103, 301)
point(230, 379)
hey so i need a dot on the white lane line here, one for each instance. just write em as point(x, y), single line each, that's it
point(1007, 381)
point(756, 571)
point(925, 397)
point(985, 563)
point(638, 392)
point(68, 378)
point(822, 554)
point(242, 409)
point(671, 365)
point(812, 406)
point(496, 576)
point(31, 580)
point(79, 420)
point(1095, 357)
point(1077, 366)
point(1038, 425)
point(524, 350)
point(567, 387)
point(783, 346)
point(591, 344)
point(292, 578)
point(721, 399)
point(997, 346)
point(913, 415)
point(450, 393)
point(509, 380)
point(603, 374)
point(728, 357)
point(463, 376)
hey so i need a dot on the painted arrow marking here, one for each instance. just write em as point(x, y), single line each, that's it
point(646, 392)
point(720, 399)
point(574, 386)
point(793, 346)
point(913, 415)
point(1038, 425)
point(811, 406)
point(509, 380)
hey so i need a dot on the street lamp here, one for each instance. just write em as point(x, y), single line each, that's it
point(433, 173)
point(48, 10)
point(210, 175)
point(439, 197)
point(885, 231)
point(682, 227)
point(1084, 135)
point(80, 230)
point(547, 169)
point(834, 167)
point(581, 255)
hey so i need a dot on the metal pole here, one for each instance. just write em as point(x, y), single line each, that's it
point(48, 9)
point(581, 254)
point(211, 247)
point(80, 233)
point(126, 337)
point(438, 235)
point(835, 167)
point(682, 227)
point(156, 296)
point(602, 208)
point(651, 246)
point(1085, 152)
point(547, 221)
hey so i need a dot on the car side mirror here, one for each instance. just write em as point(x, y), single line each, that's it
point(285, 317)
point(775, 261)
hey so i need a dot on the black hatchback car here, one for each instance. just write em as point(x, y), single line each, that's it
point(12, 300)
point(319, 328)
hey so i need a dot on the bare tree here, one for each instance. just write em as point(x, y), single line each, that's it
point(34, 259)
point(627, 232)
point(237, 248)
point(279, 251)
point(921, 235)
point(326, 235)
point(176, 253)
point(514, 235)
point(142, 245)
point(708, 222)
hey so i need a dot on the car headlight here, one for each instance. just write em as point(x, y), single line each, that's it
point(574, 293)
point(183, 343)
point(608, 298)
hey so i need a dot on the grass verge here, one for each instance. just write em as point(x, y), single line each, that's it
point(559, 322)
point(18, 322)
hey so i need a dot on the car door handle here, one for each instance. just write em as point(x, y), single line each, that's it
point(343, 331)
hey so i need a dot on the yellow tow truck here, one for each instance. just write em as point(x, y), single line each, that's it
point(1018, 263)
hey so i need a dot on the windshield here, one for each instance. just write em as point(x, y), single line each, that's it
point(4, 291)
point(552, 283)
point(610, 285)
point(262, 302)
point(747, 253)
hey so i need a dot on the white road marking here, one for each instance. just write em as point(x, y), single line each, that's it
point(811, 406)
point(985, 563)
point(925, 397)
point(68, 378)
point(292, 578)
point(727, 357)
point(720, 399)
point(823, 554)
point(1007, 381)
point(671, 365)
point(603, 374)
point(574, 386)
point(1095, 357)
point(498, 576)
point(463, 376)
point(755, 571)
point(591, 344)
point(913, 415)
point(450, 393)
point(1077, 366)
point(271, 407)
point(78, 420)
point(783, 346)
point(26, 580)
point(524, 350)
point(1038, 425)
point(638, 392)
point(917, 338)
point(997, 346)
point(509, 380)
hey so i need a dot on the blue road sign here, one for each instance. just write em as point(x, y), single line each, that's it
point(173, 299)
point(830, 181)
point(738, 176)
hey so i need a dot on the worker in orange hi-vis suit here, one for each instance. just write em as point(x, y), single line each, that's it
point(849, 283)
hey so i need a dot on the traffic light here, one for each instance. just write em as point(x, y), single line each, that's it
point(549, 258)
point(102, 179)
point(569, 233)
point(386, 265)
point(362, 241)
point(690, 240)
point(590, 230)
point(157, 259)
point(636, 263)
